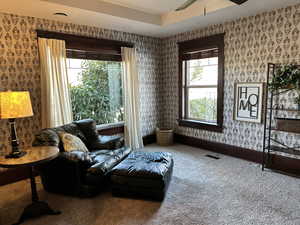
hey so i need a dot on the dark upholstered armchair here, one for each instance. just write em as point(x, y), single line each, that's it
point(80, 173)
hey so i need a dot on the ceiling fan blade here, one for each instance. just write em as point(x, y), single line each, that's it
point(239, 2)
point(186, 4)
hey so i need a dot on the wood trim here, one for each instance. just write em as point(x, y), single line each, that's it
point(81, 47)
point(111, 130)
point(200, 125)
point(215, 41)
point(220, 100)
point(280, 163)
point(148, 139)
point(200, 44)
point(79, 54)
point(180, 86)
point(210, 53)
point(14, 175)
point(71, 39)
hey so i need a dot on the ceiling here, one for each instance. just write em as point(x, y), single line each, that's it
point(150, 6)
point(155, 18)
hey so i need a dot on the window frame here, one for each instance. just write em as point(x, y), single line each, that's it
point(110, 124)
point(90, 48)
point(84, 47)
point(200, 44)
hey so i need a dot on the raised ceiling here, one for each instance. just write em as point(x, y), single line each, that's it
point(150, 6)
point(146, 17)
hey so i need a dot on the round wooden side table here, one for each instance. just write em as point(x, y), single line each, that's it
point(34, 156)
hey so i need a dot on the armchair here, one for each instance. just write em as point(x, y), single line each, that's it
point(80, 173)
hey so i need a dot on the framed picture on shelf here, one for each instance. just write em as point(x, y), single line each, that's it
point(248, 102)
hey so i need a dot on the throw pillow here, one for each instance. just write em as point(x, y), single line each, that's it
point(72, 143)
point(46, 137)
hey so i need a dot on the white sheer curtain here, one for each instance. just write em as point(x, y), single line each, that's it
point(56, 103)
point(133, 136)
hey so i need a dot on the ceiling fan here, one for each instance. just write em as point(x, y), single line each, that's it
point(190, 2)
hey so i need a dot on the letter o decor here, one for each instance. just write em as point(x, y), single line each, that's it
point(251, 98)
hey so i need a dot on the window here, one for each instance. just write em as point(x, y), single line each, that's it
point(201, 65)
point(96, 90)
point(94, 70)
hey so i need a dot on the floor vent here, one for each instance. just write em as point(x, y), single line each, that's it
point(212, 156)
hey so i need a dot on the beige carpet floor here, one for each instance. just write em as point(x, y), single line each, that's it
point(203, 191)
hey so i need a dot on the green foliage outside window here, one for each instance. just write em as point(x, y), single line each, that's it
point(203, 109)
point(196, 74)
point(99, 93)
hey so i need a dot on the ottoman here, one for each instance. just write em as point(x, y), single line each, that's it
point(143, 174)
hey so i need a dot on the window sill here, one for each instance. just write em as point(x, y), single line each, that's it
point(110, 128)
point(200, 125)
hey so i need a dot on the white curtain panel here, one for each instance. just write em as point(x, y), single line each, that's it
point(132, 131)
point(56, 103)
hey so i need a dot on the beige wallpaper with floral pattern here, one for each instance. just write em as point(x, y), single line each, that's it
point(19, 69)
point(250, 43)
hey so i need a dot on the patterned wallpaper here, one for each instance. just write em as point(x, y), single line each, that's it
point(250, 43)
point(19, 69)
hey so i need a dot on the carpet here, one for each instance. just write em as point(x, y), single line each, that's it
point(203, 191)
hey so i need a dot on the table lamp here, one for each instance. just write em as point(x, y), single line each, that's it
point(15, 104)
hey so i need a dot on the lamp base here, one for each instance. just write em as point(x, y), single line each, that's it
point(15, 155)
point(16, 152)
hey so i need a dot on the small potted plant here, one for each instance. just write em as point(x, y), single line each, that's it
point(287, 77)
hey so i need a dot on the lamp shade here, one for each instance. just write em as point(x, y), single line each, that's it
point(15, 104)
